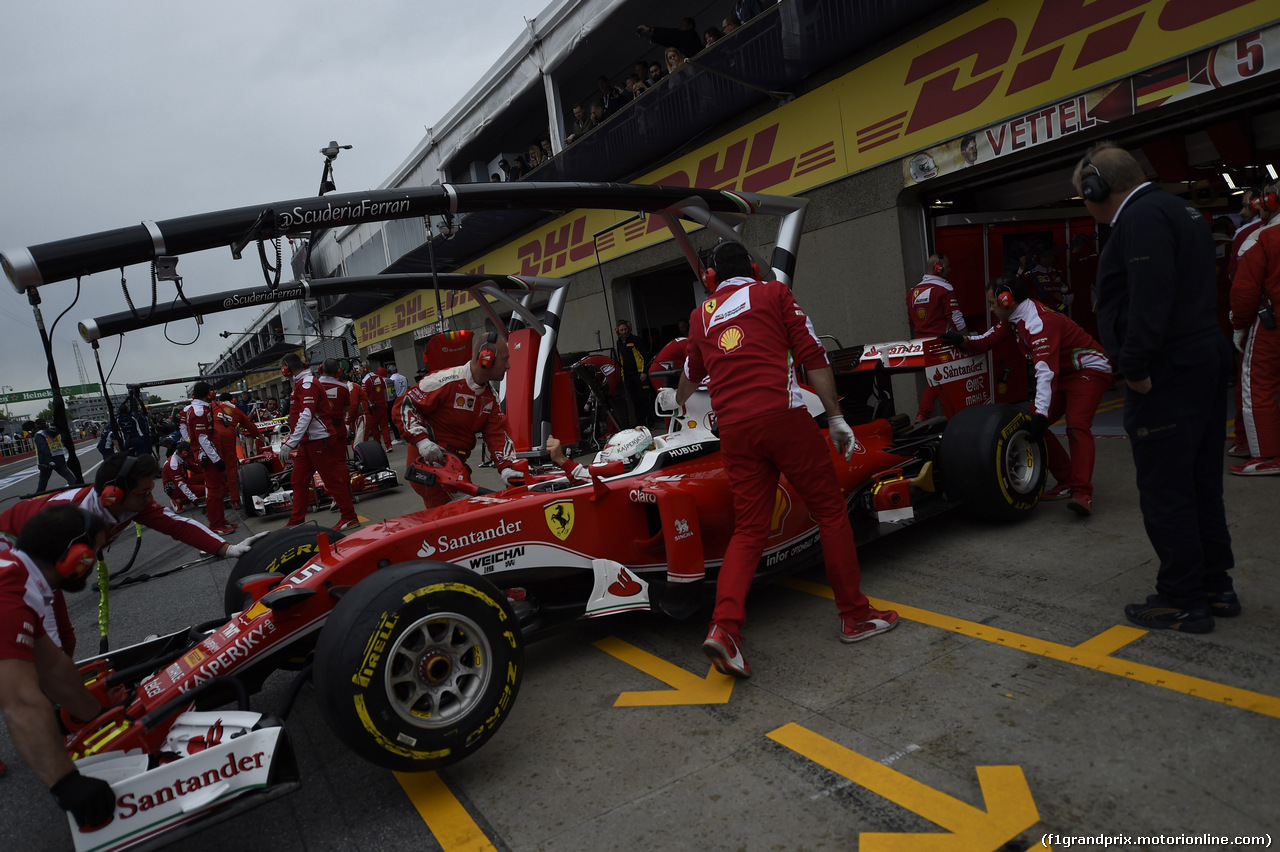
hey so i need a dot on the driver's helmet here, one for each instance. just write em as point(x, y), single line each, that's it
point(626, 446)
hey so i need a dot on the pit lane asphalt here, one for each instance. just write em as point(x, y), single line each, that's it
point(970, 680)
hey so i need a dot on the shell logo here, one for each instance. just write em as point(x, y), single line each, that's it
point(730, 339)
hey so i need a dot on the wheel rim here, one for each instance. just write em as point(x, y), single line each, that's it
point(438, 670)
point(1021, 462)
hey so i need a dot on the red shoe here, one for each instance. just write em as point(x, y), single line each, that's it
point(225, 529)
point(877, 621)
point(1257, 467)
point(1057, 492)
point(724, 652)
point(1081, 505)
point(345, 525)
point(1239, 451)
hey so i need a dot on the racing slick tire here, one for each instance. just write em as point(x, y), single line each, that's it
point(990, 463)
point(371, 456)
point(418, 665)
point(255, 481)
point(282, 552)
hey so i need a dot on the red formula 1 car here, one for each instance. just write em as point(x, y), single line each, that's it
point(415, 627)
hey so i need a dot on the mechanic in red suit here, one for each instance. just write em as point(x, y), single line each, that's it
point(444, 411)
point(227, 418)
point(1256, 211)
point(198, 428)
point(175, 477)
point(338, 398)
point(314, 445)
point(357, 412)
point(375, 392)
point(748, 337)
point(120, 495)
point(1254, 294)
point(1072, 373)
point(55, 553)
point(669, 357)
point(932, 308)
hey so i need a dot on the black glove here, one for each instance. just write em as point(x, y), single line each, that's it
point(90, 800)
point(953, 338)
point(220, 466)
point(1036, 428)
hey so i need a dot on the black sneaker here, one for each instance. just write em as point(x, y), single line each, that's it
point(1159, 614)
point(1224, 604)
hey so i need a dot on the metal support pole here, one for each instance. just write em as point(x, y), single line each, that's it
point(59, 406)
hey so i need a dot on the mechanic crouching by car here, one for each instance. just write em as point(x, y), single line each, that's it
point(120, 495)
point(54, 553)
point(176, 479)
point(444, 411)
point(747, 337)
point(1072, 373)
point(313, 445)
point(199, 430)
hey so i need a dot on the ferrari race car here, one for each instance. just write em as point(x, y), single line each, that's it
point(413, 629)
point(266, 487)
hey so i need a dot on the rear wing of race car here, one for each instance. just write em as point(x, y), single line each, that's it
point(863, 375)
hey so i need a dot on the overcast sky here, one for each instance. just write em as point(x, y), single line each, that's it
point(115, 113)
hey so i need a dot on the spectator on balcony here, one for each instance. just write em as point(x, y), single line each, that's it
point(597, 113)
point(535, 156)
point(655, 73)
point(641, 70)
point(711, 35)
point(638, 89)
point(506, 169)
point(611, 97)
point(745, 10)
point(518, 168)
point(582, 122)
point(685, 38)
point(730, 23)
point(675, 59)
point(547, 153)
point(495, 178)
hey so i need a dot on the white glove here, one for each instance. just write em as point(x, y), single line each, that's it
point(667, 399)
point(1069, 298)
point(841, 435)
point(510, 473)
point(430, 451)
point(285, 452)
point(235, 551)
point(1239, 337)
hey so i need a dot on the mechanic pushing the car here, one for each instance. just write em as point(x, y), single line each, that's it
point(1072, 374)
point(932, 309)
point(198, 430)
point(120, 495)
point(444, 411)
point(176, 479)
point(313, 444)
point(227, 417)
point(55, 551)
point(748, 337)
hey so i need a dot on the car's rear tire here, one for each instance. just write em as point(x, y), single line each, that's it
point(418, 665)
point(255, 481)
point(371, 456)
point(990, 463)
point(282, 552)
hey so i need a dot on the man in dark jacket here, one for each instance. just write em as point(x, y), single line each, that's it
point(637, 405)
point(1157, 315)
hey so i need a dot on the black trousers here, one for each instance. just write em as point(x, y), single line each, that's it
point(1177, 432)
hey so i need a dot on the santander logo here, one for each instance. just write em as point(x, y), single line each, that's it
point(625, 586)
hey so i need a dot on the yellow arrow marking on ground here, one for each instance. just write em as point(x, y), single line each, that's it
point(1091, 654)
point(715, 688)
point(446, 818)
point(1010, 808)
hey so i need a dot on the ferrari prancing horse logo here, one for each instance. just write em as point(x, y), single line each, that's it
point(559, 518)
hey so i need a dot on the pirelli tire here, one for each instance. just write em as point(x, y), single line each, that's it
point(255, 481)
point(371, 456)
point(991, 464)
point(282, 552)
point(418, 665)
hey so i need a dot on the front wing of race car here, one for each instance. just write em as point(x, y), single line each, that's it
point(212, 765)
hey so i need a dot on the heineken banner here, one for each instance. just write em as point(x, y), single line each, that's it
point(47, 393)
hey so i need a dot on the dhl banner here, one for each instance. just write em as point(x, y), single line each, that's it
point(1204, 71)
point(999, 60)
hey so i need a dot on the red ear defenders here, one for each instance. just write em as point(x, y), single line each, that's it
point(487, 354)
point(1093, 187)
point(114, 492)
point(709, 279)
point(1265, 201)
point(80, 557)
point(938, 267)
point(1005, 294)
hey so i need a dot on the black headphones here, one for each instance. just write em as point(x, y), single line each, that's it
point(486, 355)
point(709, 276)
point(1008, 292)
point(1093, 187)
point(115, 491)
point(79, 557)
